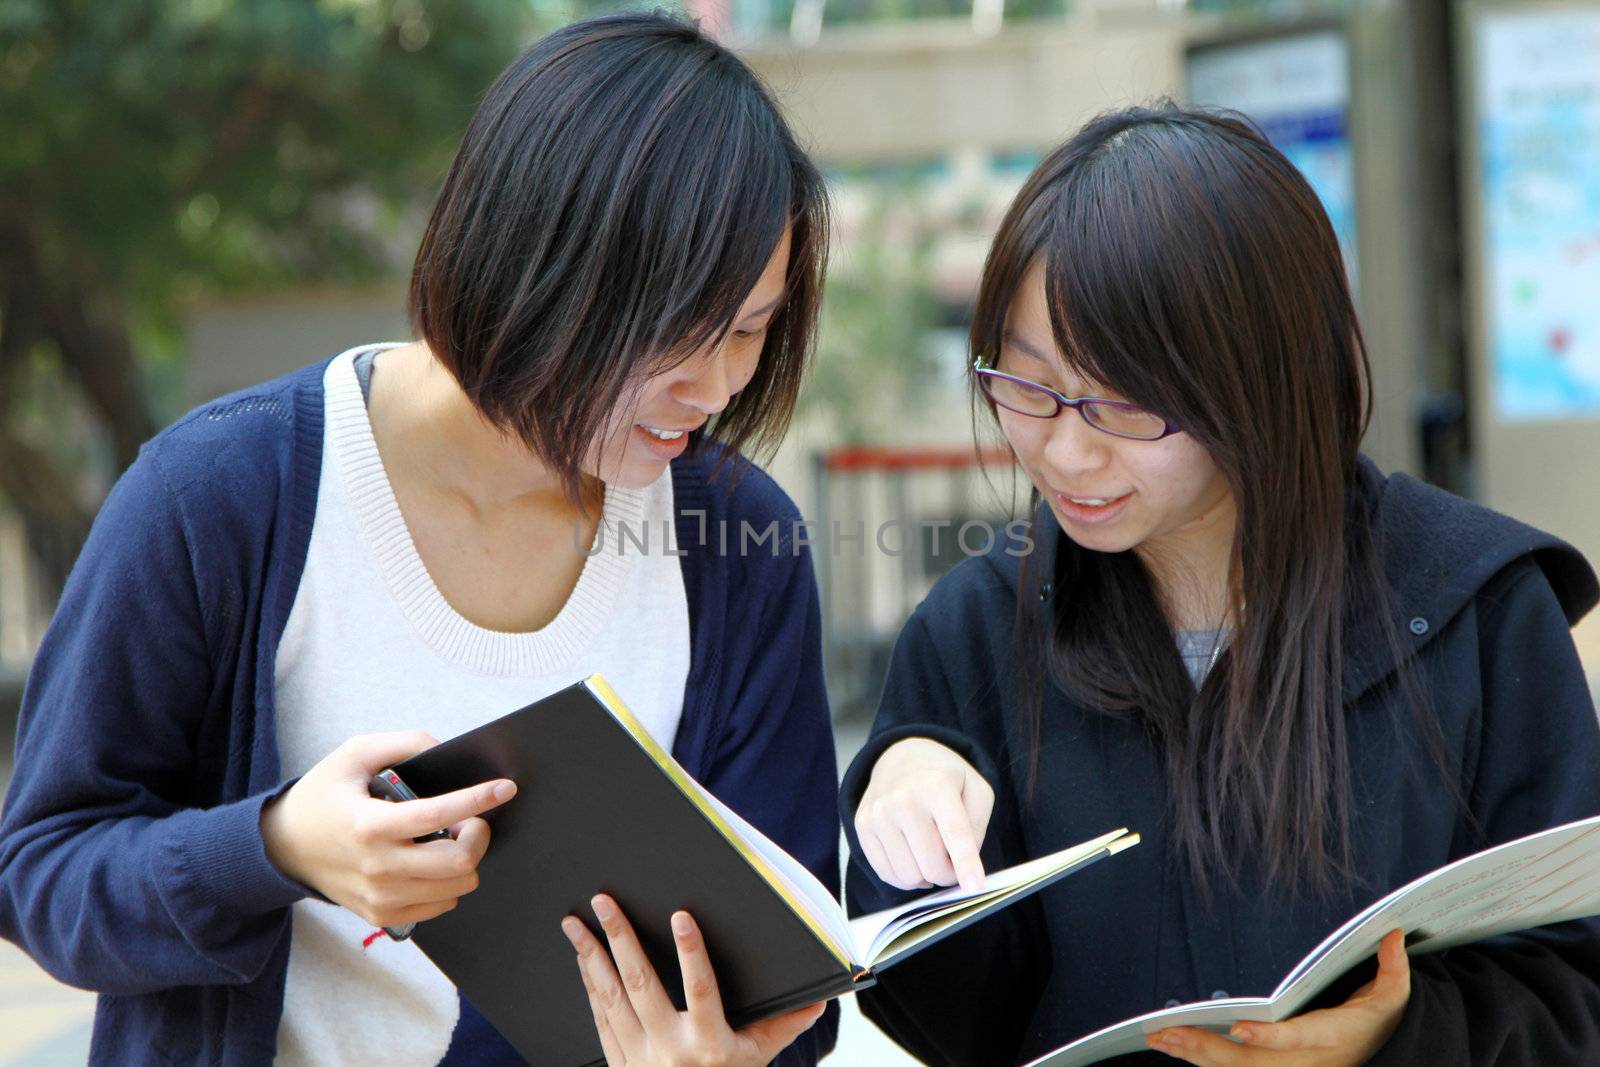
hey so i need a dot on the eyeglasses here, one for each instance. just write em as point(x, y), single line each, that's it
point(1116, 417)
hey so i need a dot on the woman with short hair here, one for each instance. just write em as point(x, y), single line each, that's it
point(616, 293)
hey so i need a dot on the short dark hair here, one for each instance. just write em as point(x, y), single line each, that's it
point(617, 195)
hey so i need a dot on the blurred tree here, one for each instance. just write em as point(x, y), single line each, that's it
point(152, 150)
point(873, 346)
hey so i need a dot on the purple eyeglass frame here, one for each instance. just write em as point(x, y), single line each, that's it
point(1064, 401)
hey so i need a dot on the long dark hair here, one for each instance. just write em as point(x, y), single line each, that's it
point(617, 195)
point(1190, 267)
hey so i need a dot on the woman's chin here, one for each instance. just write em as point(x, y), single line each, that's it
point(1091, 538)
point(636, 472)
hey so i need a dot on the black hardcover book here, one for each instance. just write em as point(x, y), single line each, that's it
point(601, 807)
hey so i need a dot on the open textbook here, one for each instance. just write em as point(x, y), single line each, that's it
point(602, 807)
point(1547, 877)
point(876, 940)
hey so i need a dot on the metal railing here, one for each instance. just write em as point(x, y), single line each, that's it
point(889, 523)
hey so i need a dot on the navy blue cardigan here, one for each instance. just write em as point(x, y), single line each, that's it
point(1482, 604)
point(131, 858)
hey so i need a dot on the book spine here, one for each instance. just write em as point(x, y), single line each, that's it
point(833, 986)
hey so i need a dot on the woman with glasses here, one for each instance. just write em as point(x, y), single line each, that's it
point(1305, 683)
point(301, 584)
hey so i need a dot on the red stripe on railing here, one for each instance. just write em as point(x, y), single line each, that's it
point(900, 459)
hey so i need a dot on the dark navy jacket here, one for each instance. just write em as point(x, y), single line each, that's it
point(131, 859)
point(1484, 605)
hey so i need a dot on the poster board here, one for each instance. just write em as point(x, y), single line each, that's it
point(1296, 87)
point(1536, 101)
point(1531, 209)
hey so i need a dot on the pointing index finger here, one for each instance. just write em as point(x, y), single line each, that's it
point(950, 816)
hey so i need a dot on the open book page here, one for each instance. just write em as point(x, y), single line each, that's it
point(1580, 906)
point(877, 939)
point(1528, 882)
point(1551, 876)
point(885, 935)
point(816, 905)
point(820, 904)
point(1568, 888)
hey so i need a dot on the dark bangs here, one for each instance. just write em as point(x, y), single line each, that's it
point(616, 197)
point(1171, 280)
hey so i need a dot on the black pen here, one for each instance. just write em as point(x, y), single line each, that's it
point(387, 785)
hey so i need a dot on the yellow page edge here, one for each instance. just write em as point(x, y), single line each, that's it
point(602, 690)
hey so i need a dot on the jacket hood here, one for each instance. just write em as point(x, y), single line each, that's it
point(1438, 552)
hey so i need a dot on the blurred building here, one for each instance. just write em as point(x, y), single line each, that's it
point(1456, 147)
point(1423, 128)
point(1457, 150)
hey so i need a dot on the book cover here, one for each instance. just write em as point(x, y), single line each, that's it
point(602, 807)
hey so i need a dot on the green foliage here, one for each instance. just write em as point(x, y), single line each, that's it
point(155, 150)
point(873, 352)
point(181, 144)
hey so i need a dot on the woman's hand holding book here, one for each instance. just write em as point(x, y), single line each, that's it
point(640, 1027)
point(1345, 1036)
point(328, 833)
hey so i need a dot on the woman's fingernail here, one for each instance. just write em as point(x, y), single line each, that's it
point(569, 926)
point(604, 910)
point(504, 791)
point(682, 925)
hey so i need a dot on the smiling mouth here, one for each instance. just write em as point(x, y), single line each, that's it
point(670, 433)
point(1093, 501)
